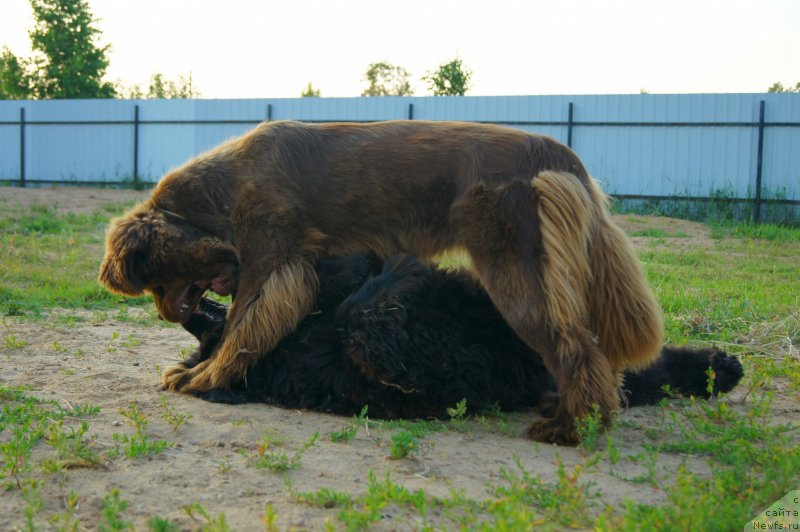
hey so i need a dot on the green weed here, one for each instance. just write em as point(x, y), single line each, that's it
point(139, 444)
point(113, 508)
point(210, 523)
point(349, 432)
point(10, 340)
point(270, 519)
point(32, 495)
point(71, 448)
point(159, 524)
point(67, 521)
point(458, 416)
point(524, 493)
point(591, 428)
point(277, 460)
point(323, 498)
point(171, 416)
point(403, 444)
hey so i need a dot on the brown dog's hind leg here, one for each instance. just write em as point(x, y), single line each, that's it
point(267, 308)
point(529, 242)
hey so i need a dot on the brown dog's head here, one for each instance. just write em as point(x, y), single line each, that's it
point(150, 249)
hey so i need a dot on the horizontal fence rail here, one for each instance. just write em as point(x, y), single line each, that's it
point(638, 146)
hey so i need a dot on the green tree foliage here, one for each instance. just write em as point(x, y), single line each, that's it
point(67, 62)
point(166, 88)
point(386, 79)
point(450, 79)
point(310, 92)
point(14, 80)
point(778, 87)
point(160, 87)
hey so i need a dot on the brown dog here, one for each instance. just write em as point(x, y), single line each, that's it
point(251, 216)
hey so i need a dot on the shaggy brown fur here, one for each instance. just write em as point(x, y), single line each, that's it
point(251, 216)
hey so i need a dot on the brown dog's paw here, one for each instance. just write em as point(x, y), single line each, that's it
point(185, 379)
point(552, 431)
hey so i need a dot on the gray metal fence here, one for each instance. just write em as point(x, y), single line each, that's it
point(639, 146)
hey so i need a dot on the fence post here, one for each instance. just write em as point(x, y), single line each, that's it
point(411, 111)
point(135, 145)
point(759, 163)
point(269, 112)
point(22, 146)
point(569, 126)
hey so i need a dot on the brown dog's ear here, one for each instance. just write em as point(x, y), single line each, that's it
point(129, 242)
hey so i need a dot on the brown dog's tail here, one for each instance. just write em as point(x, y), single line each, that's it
point(592, 275)
point(624, 312)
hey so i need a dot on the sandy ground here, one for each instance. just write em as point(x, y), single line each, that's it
point(111, 361)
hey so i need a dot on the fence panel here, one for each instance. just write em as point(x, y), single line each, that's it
point(636, 145)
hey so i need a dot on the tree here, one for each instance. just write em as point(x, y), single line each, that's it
point(450, 79)
point(161, 88)
point(386, 79)
point(14, 80)
point(69, 63)
point(778, 87)
point(166, 88)
point(310, 92)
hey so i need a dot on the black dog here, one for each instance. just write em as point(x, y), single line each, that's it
point(410, 341)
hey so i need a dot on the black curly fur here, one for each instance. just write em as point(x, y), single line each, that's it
point(410, 341)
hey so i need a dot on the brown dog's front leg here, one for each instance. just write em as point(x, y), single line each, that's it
point(268, 306)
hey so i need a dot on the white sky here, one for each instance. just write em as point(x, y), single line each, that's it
point(270, 48)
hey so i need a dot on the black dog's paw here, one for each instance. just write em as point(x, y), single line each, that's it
point(727, 369)
point(222, 396)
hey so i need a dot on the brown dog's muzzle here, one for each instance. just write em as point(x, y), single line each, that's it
point(177, 301)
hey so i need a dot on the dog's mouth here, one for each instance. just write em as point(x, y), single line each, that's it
point(189, 300)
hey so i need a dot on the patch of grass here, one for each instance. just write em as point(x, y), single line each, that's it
point(753, 461)
point(25, 420)
point(763, 231)
point(565, 502)
point(368, 508)
point(723, 205)
point(419, 428)
point(50, 260)
point(718, 293)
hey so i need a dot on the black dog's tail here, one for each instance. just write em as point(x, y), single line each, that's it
point(684, 370)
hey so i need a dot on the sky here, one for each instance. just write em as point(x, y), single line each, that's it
point(272, 49)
